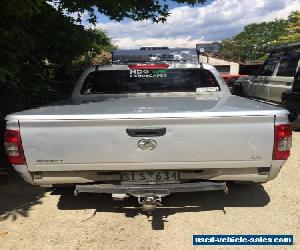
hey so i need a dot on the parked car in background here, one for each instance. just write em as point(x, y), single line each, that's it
point(291, 100)
point(274, 77)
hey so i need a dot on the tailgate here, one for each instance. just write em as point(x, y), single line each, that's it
point(212, 142)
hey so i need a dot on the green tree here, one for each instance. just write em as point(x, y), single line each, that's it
point(254, 40)
point(100, 43)
point(44, 34)
point(293, 29)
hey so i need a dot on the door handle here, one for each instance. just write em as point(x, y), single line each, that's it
point(146, 132)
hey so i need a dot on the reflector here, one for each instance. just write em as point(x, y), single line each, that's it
point(283, 142)
point(13, 147)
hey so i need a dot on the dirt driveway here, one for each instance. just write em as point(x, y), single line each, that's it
point(36, 218)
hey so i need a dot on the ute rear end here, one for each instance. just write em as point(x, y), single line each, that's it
point(149, 130)
point(89, 163)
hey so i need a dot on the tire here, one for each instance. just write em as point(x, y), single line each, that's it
point(238, 90)
point(292, 117)
point(3, 178)
point(63, 188)
point(296, 125)
point(290, 108)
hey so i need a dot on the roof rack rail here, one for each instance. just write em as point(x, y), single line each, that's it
point(153, 48)
point(156, 55)
point(284, 48)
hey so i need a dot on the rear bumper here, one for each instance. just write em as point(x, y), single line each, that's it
point(158, 190)
point(50, 178)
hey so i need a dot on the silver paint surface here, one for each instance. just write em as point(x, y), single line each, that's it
point(204, 130)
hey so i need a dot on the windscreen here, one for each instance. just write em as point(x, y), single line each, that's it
point(148, 81)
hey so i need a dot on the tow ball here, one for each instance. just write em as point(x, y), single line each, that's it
point(149, 203)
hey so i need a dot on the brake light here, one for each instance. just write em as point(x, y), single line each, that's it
point(283, 142)
point(149, 66)
point(13, 147)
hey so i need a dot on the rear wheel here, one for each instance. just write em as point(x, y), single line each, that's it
point(238, 90)
point(292, 116)
point(296, 125)
point(63, 188)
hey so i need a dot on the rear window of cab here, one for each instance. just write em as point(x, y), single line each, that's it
point(148, 81)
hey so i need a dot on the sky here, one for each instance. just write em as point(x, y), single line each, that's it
point(188, 25)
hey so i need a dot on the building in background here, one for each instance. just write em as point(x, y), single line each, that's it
point(209, 53)
point(222, 65)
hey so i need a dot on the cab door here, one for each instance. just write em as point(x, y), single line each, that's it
point(259, 86)
point(284, 76)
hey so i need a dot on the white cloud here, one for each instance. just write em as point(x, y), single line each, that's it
point(187, 26)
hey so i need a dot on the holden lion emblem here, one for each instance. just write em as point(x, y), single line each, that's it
point(147, 144)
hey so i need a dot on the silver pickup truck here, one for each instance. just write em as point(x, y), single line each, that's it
point(147, 130)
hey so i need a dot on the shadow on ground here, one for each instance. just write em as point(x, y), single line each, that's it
point(17, 197)
point(252, 195)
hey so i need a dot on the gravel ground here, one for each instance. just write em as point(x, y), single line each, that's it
point(36, 218)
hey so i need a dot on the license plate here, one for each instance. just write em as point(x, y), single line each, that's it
point(150, 176)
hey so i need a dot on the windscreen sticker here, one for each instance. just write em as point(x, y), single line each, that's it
point(148, 73)
point(207, 89)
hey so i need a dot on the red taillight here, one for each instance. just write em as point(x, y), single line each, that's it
point(13, 147)
point(149, 66)
point(283, 142)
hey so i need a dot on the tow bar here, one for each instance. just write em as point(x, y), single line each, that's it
point(150, 203)
point(149, 196)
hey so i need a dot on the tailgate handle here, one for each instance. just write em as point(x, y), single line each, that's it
point(146, 132)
